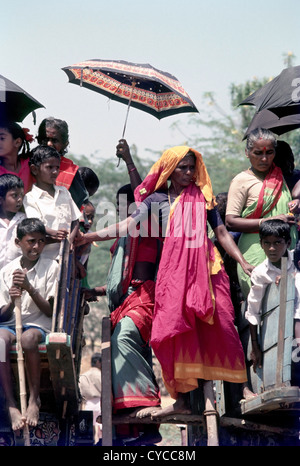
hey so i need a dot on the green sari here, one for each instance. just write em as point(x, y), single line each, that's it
point(273, 200)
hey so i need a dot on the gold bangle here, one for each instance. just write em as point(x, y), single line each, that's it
point(259, 223)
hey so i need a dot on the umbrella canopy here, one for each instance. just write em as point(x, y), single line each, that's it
point(140, 85)
point(281, 95)
point(15, 103)
point(269, 120)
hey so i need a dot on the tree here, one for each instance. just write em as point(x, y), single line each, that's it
point(222, 146)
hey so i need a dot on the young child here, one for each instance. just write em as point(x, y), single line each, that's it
point(90, 180)
point(85, 223)
point(11, 201)
point(14, 149)
point(275, 239)
point(52, 204)
point(34, 279)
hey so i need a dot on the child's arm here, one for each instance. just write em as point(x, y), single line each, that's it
point(56, 235)
point(6, 312)
point(20, 280)
point(256, 354)
point(74, 230)
point(92, 293)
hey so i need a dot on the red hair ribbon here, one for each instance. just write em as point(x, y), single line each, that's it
point(29, 138)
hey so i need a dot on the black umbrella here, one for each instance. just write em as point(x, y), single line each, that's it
point(281, 95)
point(269, 120)
point(15, 103)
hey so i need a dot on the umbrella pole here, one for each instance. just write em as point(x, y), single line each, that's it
point(128, 106)
point(21, 369)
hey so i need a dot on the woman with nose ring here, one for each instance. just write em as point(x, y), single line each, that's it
point(193, 333)
point(257, 194)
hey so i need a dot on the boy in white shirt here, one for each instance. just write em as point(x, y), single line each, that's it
point(52, 204)
point(275, 239)
point(32, 278)
point(11, 201)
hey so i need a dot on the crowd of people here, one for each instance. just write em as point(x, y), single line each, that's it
point(167, 289)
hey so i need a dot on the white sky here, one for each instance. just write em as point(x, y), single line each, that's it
point(207, 45)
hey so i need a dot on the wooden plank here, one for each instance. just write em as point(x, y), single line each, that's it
point(210, 414)
point(245, 424)
point(190, 419)
point(281, 321)
point(106, 405)
point(63, 374)
point(277, 399)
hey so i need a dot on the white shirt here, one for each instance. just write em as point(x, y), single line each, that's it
point(8, 249)
point(55, 212)
point(261, 276)
point(297, 297)
point(43, 277)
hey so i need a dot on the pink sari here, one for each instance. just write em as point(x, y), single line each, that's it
point(193, 332)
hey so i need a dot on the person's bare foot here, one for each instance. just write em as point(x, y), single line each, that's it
point(144, 412)
point(179, 407)
point(33, 412)
point(17, 420)
point(248, 394)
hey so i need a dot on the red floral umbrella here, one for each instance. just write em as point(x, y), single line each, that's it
point(138, 85)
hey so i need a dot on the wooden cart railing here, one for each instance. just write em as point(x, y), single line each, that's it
point(61, 353)
point(276, 408)
point(272, 383)
point(207, 419)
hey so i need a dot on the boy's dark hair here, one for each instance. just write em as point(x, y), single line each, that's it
point(90, 179)
point(40, 154)
point(297, 255)
point(126, 189)
point(88, 202)
point(277, 228)
point(30, 225)
point(95, 358)
point(221, 199)
point(9, 181)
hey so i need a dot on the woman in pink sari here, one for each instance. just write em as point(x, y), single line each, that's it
point(193, 334)
point(14, 150)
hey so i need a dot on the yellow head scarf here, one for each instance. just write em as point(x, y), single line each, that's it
point(162, 169)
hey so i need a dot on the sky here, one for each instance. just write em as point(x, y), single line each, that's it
point(206, 44)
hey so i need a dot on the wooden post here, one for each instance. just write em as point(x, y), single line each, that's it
point(106, 406)
point(210, 414)
point(281, 321)
point(58, 287)
point(21, 369)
